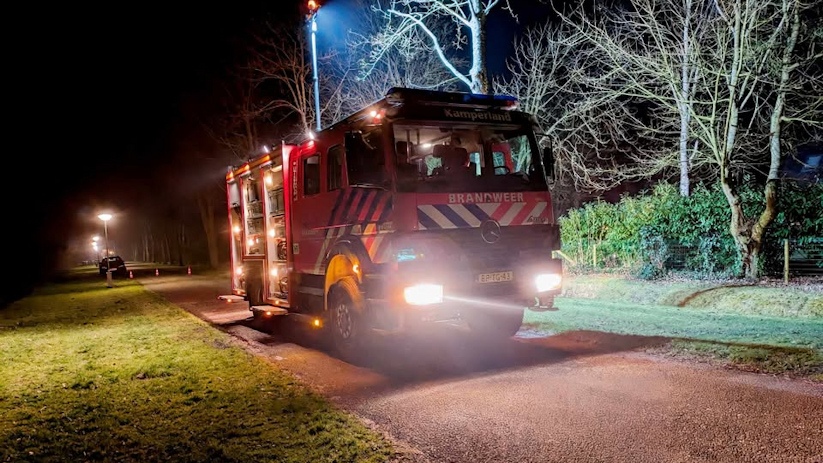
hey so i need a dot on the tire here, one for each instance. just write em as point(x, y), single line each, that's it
point(496, 324)
point(254, 290)
point(345, 319)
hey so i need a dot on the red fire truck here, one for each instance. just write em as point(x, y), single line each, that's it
point(423, 207)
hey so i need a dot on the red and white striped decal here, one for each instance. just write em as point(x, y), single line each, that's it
point(358, 211)
point(469, 210)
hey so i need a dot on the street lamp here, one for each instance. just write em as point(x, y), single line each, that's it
point(313, 8)
point(105, 218)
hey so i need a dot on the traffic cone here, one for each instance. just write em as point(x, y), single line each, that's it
point(131, 275)
point(157, 272)
point(189, 269)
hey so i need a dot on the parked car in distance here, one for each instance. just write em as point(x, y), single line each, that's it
point(118, 267)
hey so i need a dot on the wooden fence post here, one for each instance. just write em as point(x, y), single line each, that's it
point(786, 261)
point(594, 255)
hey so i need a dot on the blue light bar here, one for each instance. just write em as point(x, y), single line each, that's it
point(412, 95)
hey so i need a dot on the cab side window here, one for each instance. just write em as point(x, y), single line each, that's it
point(335, 168)
point(311, 175)
point(364, 157)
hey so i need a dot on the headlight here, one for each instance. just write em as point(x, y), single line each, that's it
point(423, 294)
point(547, 282)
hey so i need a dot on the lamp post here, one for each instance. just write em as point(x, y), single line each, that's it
point(313, 8)
point(105, 218)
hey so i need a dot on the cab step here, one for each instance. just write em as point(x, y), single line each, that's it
point(230, 298)
point(269, 310)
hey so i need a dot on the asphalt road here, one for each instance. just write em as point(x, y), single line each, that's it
point(581, 396)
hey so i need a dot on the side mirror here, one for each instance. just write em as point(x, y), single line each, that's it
point(547, 156)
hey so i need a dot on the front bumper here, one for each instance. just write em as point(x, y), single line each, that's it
point(462, 290)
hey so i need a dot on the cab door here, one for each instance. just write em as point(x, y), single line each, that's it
point(318, 191)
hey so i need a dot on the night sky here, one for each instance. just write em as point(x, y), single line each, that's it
point(110, 103)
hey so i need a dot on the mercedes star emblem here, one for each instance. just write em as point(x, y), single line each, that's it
point(490, 231)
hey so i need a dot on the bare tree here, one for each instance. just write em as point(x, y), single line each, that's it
point(559, 74)
point(747, 85)
point(281, 59)
point(206, 205)
point(409, 66)
point(728, 74)
point(648, 53)
point(414, 24)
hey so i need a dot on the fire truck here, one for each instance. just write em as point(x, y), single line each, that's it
point(423, 207)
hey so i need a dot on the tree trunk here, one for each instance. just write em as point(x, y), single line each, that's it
point(167, 245)
point(685, 96)
point(754, 243)
point(478, 72)
point(181, 242)
point(206, 204)
point(684, 150)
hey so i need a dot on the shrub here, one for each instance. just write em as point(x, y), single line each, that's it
point(649, 232)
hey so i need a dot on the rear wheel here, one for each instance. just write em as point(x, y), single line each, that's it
point(254, 291)
point(495, 324)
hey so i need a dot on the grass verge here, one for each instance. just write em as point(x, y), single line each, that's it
point(759, 359)
point(791, 301)
point(121, 375)
point(752, 342)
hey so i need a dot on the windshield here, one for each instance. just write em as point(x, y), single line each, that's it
point(467, 157)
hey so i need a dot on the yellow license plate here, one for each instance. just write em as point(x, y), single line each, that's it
point(496, 277)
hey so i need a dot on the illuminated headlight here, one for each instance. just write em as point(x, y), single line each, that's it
point(547, 282)
point(423, 294)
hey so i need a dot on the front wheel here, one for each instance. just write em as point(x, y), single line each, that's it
point(495, 324)
point(345, 320)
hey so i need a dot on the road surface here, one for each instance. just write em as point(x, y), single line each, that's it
point(580, 396)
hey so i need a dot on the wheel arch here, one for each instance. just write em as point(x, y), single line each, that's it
point(346, 262)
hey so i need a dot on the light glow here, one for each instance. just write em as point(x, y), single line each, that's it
point(95, 238)
point(250, 242)
point(547, 282)
point(407, 254)
point(238, 271)
point(237, 229)
point(423, 294)
point(265, 149)
point(317, 323)
point(271, 232)
point(268, 179)
point(426, 145)
point(355, 268)
point(104, 217)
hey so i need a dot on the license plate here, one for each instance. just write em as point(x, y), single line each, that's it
point(496, 277)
